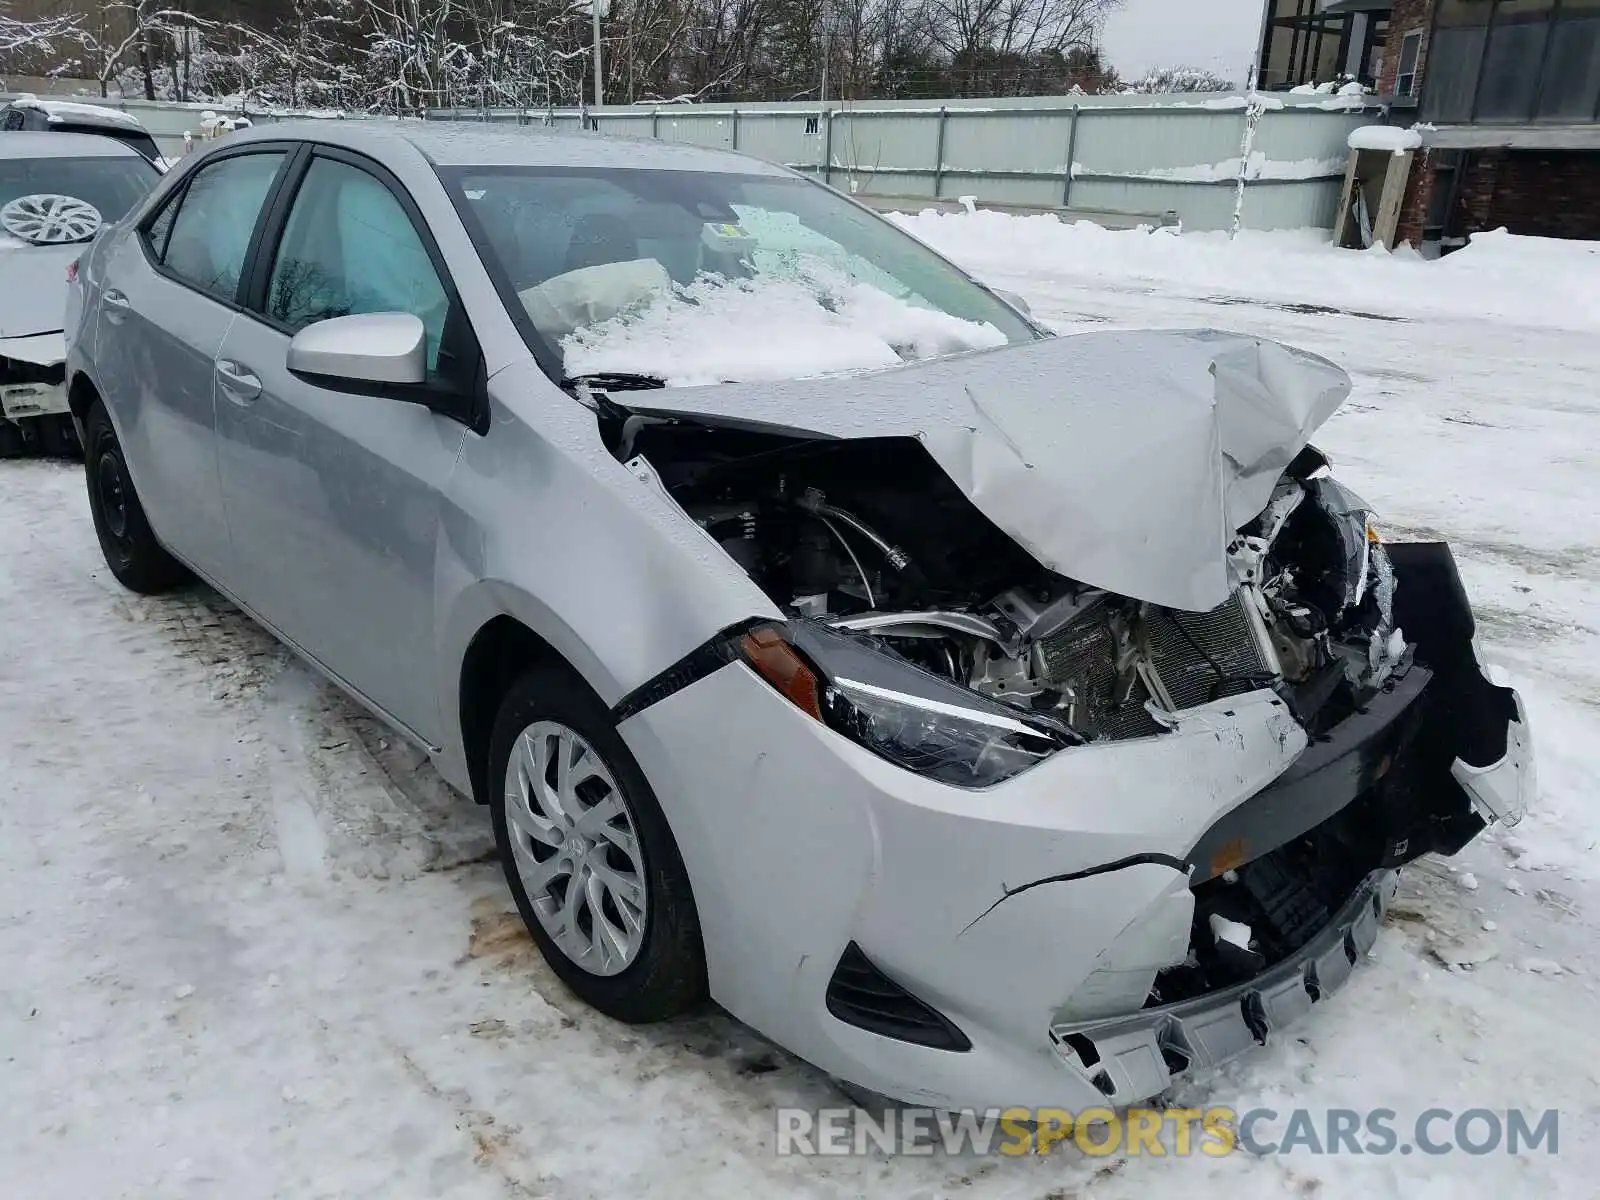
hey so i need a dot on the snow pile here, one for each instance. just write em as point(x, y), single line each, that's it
point(811, 322)
point(1499, 277)
point(1384, 137)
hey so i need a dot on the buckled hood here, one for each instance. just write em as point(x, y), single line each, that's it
point(1125, 460)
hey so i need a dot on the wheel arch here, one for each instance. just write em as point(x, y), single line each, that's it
point(81, 395)
point(499, 653)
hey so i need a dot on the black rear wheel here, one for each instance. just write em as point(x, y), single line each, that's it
point(131, 550)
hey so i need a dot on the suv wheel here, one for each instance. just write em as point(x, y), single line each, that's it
point(588, 854)
point(139, 562)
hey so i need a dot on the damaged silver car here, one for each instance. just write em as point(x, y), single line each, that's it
point(989, 718)
point(56, 191)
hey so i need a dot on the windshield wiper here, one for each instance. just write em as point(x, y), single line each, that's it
point(613, 381)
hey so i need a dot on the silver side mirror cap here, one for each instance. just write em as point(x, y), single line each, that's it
point(365, 348)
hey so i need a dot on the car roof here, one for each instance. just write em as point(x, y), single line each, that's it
point(465, 143)
point(43, 144)
point(79, 112)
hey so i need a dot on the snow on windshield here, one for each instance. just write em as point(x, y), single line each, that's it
point(809, 320)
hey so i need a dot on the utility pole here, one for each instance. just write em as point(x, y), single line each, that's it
point(827, 47)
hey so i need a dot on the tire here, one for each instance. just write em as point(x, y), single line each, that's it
point(57, 437)
point(12, 442)
point(664, 972)
point(131, 550)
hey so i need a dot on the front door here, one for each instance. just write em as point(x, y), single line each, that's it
point(333, 498)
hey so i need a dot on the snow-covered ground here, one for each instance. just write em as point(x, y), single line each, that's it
point(251, 946)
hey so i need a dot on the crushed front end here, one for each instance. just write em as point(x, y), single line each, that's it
point(1412, 749)
point(34, 415)
point(1215, 802)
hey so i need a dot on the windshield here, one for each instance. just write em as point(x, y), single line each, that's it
point(697, 278)
point(112, 185)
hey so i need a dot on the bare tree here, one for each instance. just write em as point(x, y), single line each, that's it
point(404, 56)
point(992, 45)
point(40, 35)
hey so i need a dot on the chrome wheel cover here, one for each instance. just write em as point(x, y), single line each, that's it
point(50, 220)
point(576, 848)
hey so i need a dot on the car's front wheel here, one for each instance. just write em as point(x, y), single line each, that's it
point(588, 853)
point(131, 550)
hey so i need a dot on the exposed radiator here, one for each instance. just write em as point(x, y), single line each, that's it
point(1201, 657)
point(1198, 657)
point(1083, 653)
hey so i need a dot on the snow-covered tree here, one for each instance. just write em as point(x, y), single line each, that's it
point(41, 34)
point(1163, 80)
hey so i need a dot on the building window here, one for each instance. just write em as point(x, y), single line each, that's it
point(1302, 44)
point(1405, 80)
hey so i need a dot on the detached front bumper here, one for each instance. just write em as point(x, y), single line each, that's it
point(32, 376)
point(1132, 1058)
point(21, 400)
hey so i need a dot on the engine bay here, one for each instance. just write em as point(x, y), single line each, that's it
point(871, 538)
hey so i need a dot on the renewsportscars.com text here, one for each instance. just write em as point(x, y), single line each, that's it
point(1171, 1132)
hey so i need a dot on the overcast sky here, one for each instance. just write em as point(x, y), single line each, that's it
point(1217, 34)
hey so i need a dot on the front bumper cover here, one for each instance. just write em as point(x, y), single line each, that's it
point(21, 400)
point(1131, 1058)
point(1047, 907)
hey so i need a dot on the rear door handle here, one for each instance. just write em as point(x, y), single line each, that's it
point(238, 384)
point(117, 306)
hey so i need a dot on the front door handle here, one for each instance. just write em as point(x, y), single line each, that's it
point(238, 383)
point(117, 306)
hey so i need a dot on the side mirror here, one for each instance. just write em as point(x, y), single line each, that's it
point(368, 348)
point(1016, 301)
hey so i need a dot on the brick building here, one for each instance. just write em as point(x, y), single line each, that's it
point(1506, 94)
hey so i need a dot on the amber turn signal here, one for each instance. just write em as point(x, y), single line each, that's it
point(780, 664)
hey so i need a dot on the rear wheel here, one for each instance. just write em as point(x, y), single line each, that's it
point(588, 854)
point(131, 550)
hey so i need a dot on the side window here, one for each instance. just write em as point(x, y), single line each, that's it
point(211, 231)
point(349, 247)
point(13, 119)
point(158, 230)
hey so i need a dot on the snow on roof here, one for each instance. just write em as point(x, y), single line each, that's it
point(1384, 137)
point(72, 110)
point(63, 145)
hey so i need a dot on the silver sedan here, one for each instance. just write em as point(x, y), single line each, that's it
point(990, 718)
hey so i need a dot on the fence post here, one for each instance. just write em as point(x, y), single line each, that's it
point(655, 122)
point(1072, 153)
point(735, 130)
point(938, 153)
point(1252, 117)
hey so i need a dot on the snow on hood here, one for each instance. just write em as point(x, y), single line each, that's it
point(33, 286)
point(1125, 460)
point(812, 321)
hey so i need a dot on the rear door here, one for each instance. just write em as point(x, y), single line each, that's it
point(333, 497)
point(169, 296)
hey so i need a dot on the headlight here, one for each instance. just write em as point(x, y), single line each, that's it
point(898, 711)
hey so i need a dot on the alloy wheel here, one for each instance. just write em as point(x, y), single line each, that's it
point(576, 848)
point(50, 220)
